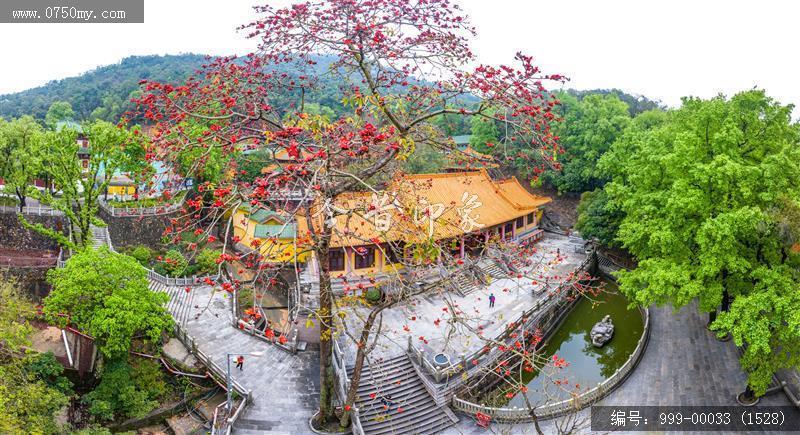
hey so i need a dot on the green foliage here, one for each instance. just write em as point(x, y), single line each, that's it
point(699, 192)
point(373, 295)
point(59, 111)
point(15, 308)
point(175, 263)
point(142, 254)
point(20, 155)
point(45, 367)
point(598, 217)
point(106, 295)
point(636, 103)
point(589, 128)
point(483, 131)
point(206, 261)
point(80, 188)
point(424, 160)
point(127, 390)
point(28, 405)
point(30, 387)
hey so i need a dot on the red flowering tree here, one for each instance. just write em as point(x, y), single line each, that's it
point(401, 64)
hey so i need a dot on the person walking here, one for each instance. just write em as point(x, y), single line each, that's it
point(240, 362)
point(491, 300)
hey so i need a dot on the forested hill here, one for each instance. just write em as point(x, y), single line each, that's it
point(104, 92)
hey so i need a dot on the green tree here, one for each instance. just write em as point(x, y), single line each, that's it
point(28, 403)
point(20, 142)
point(206, 261)
point(80, 187)
point(699, 194)
point(588, 129)
point(424, 160)
point(175, 263)
point(106, 295)
point(598, 217)
point(484, 131)
point(59, 111)
point(127, 389)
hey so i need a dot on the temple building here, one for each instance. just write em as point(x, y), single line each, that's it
point(373, 231)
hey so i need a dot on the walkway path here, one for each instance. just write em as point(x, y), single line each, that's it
point(427, 315)
point(683, 365)
point(285, 387)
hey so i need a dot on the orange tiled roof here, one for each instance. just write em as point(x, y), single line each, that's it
point(461, 202)
point(469, 158)
point(514, 192)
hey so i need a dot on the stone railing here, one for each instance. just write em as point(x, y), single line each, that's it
point(289, 346)
point(38, 210)
point(441, 374)
point(174, 282)
point(551, 410)
point(343, 385)
point(220, 376)
point(141, 211)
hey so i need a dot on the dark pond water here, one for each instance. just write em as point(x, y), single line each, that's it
point(587, 365)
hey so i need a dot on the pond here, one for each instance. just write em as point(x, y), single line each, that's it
point(587, 365)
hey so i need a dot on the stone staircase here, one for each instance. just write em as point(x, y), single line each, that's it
point(180, 301)
point(465, 283)
point(491, 268)
point(412, 410)
point(100, 237)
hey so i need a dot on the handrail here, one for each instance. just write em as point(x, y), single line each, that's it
point(342, 381)
point(517, 415)
point(441, 374)
point(180, 281)
point(141, 211)
point(39, 211)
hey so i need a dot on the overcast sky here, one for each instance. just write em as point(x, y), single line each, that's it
point(661, 49)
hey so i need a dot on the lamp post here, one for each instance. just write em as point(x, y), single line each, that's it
point(229, 406)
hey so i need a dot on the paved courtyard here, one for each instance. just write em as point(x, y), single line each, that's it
point(427, 315)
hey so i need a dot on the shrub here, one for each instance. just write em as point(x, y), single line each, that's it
point(142, 254)
point(45, 367)
point(175, 263)
point(127, 390)
point(206, 261)
point(373, 295)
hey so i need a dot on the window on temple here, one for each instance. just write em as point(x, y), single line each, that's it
point(393, 253)
point(520, 222)
point(365, 257)
point(530, 219)
point(336, 259)
point(509, 230)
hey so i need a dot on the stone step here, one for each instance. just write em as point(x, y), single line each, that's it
point(404, 422)
point(381, 367)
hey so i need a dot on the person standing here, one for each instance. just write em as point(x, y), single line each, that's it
point(240, 362)
point(491, 300)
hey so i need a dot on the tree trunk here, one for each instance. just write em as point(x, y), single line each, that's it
point(361, 355)
point(726, 301)
point(21, 196)
point(325, 318)
point(712, 316)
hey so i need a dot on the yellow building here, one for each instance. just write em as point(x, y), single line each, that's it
point(374, 231)
point(274, 235)
point(121, 185)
